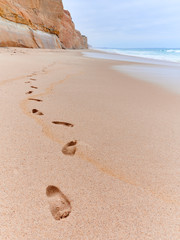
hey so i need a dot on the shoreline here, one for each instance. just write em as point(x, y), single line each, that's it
point(162, 73)
point(119, 173)
point(133, 58)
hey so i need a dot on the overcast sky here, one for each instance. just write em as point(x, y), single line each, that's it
point(127, 23)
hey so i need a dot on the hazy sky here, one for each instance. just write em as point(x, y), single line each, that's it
point(127, 23)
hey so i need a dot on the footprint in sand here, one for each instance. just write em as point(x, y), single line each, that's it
point(29, 92)
point(33, 79)
point(70, 148)
point(60, 206)
point(35, 99)
point(27, 82)
point(63, 123)
point(37, 112)
point(34, 87)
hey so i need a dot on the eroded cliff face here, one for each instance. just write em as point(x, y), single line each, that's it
point(38, 21)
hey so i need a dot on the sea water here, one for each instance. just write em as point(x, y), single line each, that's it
point(164, 54)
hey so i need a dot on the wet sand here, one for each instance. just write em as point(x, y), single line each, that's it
point(86, 152)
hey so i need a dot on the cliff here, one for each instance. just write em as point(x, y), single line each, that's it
point(38, 23)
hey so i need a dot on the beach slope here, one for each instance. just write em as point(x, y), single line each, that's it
point(86, 152)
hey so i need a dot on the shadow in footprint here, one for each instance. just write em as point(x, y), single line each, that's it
point(63, 123)
point(70, 148)
point(34, 99)
point(33, 79)
point(29, 92)
point(59, 205)
point(37, 112)
point(34, 87)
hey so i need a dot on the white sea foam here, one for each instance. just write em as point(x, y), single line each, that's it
point(172, 55)
point(173, 51)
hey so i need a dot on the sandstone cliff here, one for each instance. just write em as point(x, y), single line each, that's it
point(38, 23)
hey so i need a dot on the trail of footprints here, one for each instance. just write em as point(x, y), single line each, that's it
point(34, 87)
point(29, 92)
point(70, 148)
point(63, 123)
point(59, 205)
point(37, 112)
point(35, 99)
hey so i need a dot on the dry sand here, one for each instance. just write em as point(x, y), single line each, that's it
point(86, 152)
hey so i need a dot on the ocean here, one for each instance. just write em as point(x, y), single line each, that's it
point(164, 54)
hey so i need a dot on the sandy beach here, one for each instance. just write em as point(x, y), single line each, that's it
point(87, 152)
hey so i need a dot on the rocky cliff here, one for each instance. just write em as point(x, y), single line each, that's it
point(38, 23)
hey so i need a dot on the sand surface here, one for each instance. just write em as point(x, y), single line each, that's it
point(86, 152)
